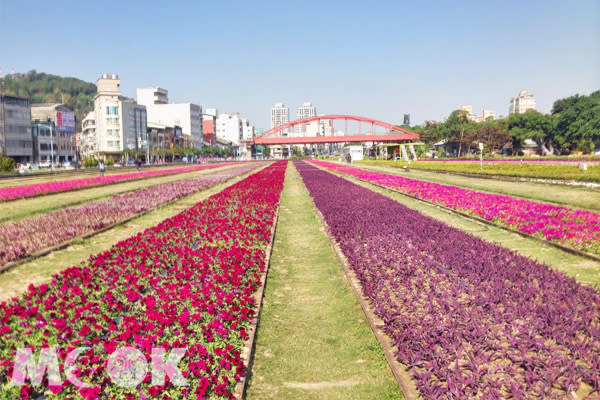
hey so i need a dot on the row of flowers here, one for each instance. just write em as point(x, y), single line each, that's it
point(558, 171)
point(520, 161)
point(187, 283)
point(579, 229)
point(469, 319)
point(24, 237)
point(36, 189)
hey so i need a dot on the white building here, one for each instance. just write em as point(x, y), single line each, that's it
point(152, 95)
point(211, 111)
point(188, 116)
point(88, 142)
point(280, 115)
point(486, 114)
point(115, 125)
point(306, 110)
point(521, 103)
point(229, 128)
point(247, 129)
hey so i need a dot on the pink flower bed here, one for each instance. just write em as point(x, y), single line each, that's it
point(575, 228)
point(36, 189)
point(188, 282)
point(21, 238)
point(525, 161)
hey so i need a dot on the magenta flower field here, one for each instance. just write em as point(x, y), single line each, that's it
point(469, 319)
point(579, 229)
point(21, 238)
point(188, 282)
point(36, 189)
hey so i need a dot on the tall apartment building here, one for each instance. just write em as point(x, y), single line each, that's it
point(15, 128)
point(188, 116)
point(53, 131)
point(521, 103)
point(280, 115)
point(306, 110)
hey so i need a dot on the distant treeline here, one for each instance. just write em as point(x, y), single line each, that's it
point(46, 88)
point(573, 125)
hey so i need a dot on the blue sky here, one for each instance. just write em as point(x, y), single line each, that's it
point(377, 59)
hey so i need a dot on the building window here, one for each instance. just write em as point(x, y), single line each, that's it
point(112, 110)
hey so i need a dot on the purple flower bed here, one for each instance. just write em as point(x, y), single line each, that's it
point(470, 319)
point(21, 238)
point(36, 189)
point(575, 228)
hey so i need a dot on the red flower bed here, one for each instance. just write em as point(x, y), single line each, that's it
point(185, 283)
point(22, 238)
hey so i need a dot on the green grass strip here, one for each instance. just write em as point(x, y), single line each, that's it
point(313, 340)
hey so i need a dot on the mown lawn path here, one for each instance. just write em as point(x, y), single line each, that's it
point(313, 340)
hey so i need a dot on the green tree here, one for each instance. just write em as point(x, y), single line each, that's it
point(535, 126)
point(578, 122)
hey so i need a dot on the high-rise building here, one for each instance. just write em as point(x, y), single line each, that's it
point(521, 103)
point(306, 110)
point(15, 128)
point(280, 115)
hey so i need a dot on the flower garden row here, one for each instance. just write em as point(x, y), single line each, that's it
point(185, 283)
point(556, 171)
point(574, 228)
point(36, 189)
point(25, 237)
point(469, 319)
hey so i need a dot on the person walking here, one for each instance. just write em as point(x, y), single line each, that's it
point(102, 167)
point(138, 163)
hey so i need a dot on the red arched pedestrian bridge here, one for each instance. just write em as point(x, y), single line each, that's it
point(284, 134)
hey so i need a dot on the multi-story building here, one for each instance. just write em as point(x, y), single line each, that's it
point(109, 135)
point(15, 128)
point(53, 131)
point(209, 129)
point(87, 140)
point(118, 125)
point(229, 128)
point(521, 103)
point(487, 114)
point(152, 95)
point(247, 129)
point(280, 115)
point(135, 126)
point(306, 110)
point(186, 115)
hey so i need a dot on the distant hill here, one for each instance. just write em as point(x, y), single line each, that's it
point(46, 88)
